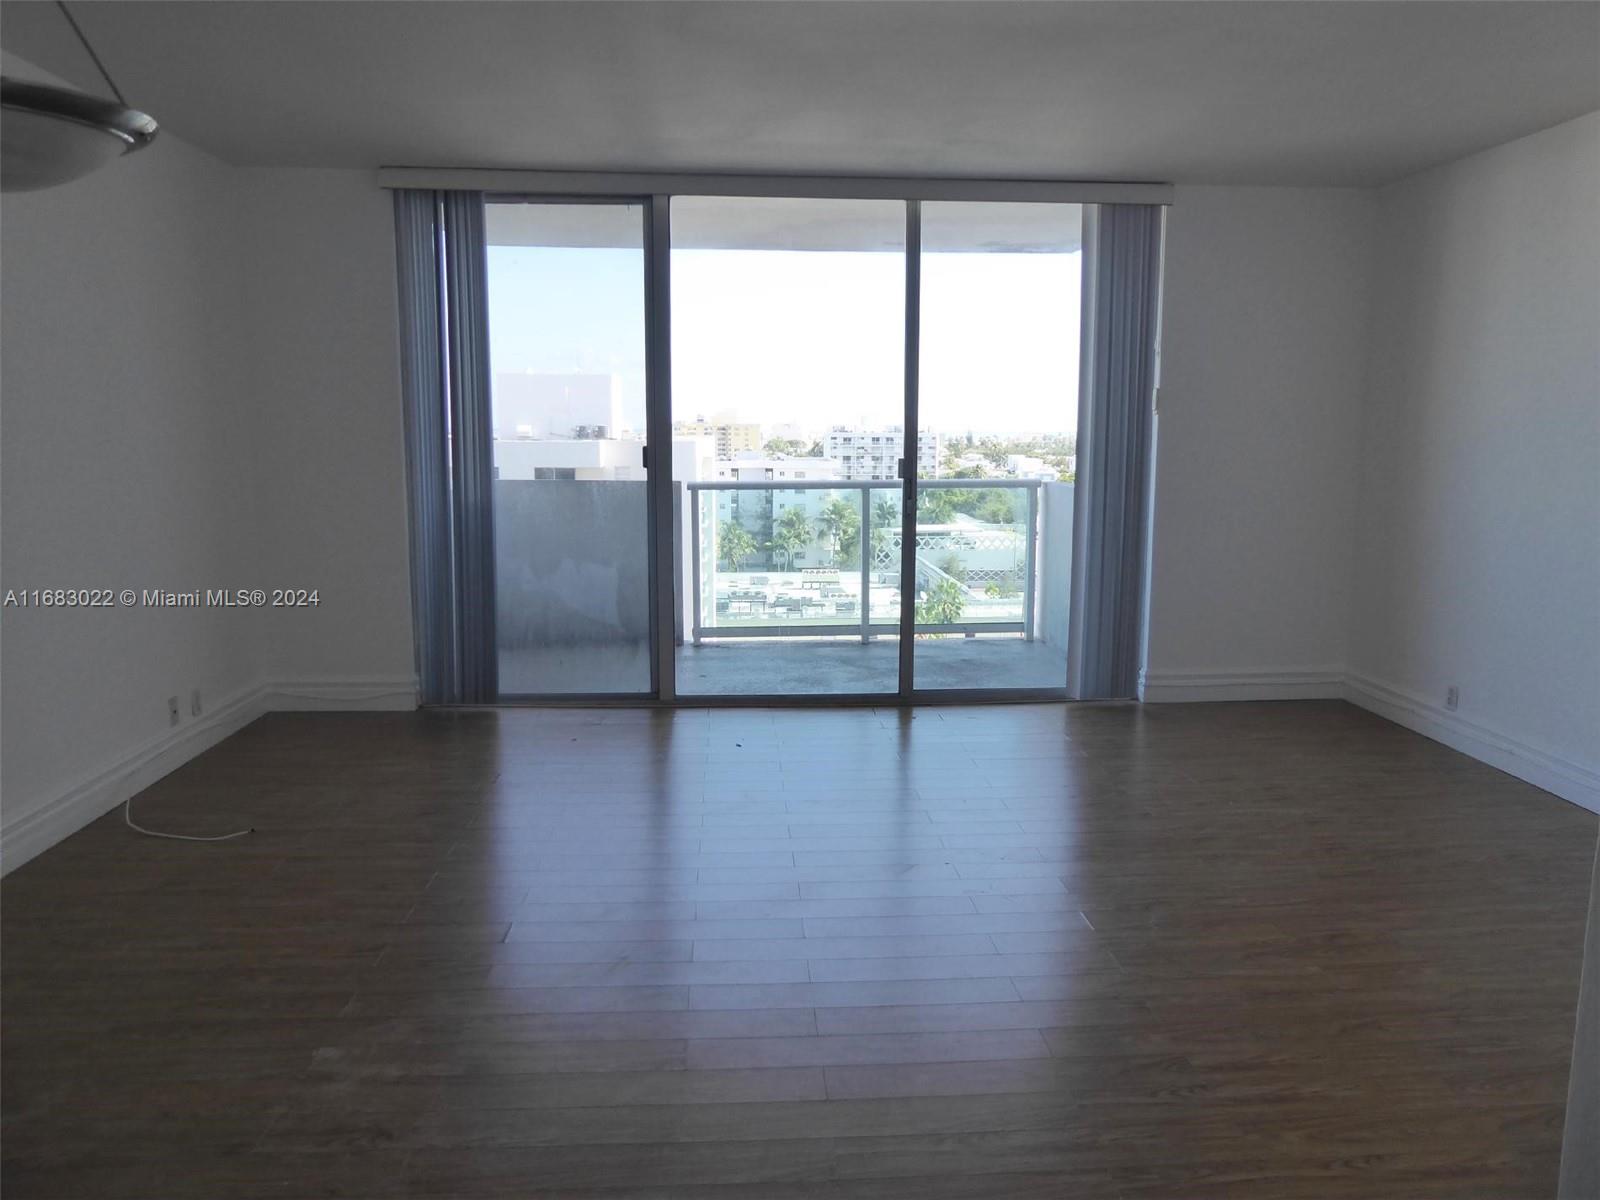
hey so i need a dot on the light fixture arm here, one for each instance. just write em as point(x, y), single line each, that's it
point(100, 66)
point(53, 134)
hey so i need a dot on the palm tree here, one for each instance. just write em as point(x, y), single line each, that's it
point(934, 506)
point(839, 523)
point(885, 512)
point(942, 604)
point(791, 533)
point(737, 545)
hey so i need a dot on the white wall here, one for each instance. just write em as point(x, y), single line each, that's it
point(201, 390)
point(1264, 324)
point(127, 463)
point(1479, 560)
point(323, 360)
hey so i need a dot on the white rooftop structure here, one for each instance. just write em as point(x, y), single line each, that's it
point(530, 404)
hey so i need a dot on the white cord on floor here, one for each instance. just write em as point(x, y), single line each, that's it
point(127, 815)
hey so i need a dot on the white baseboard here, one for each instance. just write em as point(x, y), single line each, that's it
point(1569, 780)
point(373, 694)
point(95, 795)
point(1176, 687)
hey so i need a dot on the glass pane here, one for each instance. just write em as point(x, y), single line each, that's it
point(567, 356)
point(788, 325)
point(998, 389)
point(883, 540)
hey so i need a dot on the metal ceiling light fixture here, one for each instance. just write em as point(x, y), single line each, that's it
point(52, 135)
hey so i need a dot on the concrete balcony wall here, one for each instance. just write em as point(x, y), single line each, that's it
point(572, 562)
point(1053, 566)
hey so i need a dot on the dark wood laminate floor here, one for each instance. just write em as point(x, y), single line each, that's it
point(1235, 950)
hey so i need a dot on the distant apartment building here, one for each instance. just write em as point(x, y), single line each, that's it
point(756, 510)
point(753, 468)
point(730, 438)
point(873, 454)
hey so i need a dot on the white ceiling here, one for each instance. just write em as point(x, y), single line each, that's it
point(1288, 92)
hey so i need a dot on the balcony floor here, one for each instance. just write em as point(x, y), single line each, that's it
point(784, 667)
point(788, 667)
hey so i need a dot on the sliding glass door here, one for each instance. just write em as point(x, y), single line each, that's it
point(998, 401)
point(788, 434)
point(760, 448)
point(567, 396)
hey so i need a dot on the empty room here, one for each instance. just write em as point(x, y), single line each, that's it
point(712, 600)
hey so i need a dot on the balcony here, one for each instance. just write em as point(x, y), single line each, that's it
point(796, 588)
point(787, 607)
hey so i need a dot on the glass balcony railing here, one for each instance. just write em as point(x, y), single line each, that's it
point(812, 558)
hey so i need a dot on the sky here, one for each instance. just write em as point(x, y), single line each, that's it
point(810, 338)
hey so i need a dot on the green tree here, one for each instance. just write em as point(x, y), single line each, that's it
point(790, 447)
point(942, 604)
point(840, 523)
point(952, 566)
point(996, 508)
point(885, 512)
point(934, 506)
point(736, 545)
point(791, 533)
point(849, 553)
point(965, 500)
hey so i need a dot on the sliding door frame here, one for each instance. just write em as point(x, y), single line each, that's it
point(658, 437)
point(658, 448)
point(910, 693)
point(911, 335)
point(654, 193)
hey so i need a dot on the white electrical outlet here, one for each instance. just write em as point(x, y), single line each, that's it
point(1452, 697)
point(194, 703)
point(172, 710)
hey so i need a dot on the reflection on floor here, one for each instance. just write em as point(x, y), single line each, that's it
point(785, 667)
point(815, 666)
point(1030, 952)
point(608, 668)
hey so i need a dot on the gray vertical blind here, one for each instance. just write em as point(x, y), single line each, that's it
point(1116, 414)
point(466, 294)
point(444, 378)
point(423, 390)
